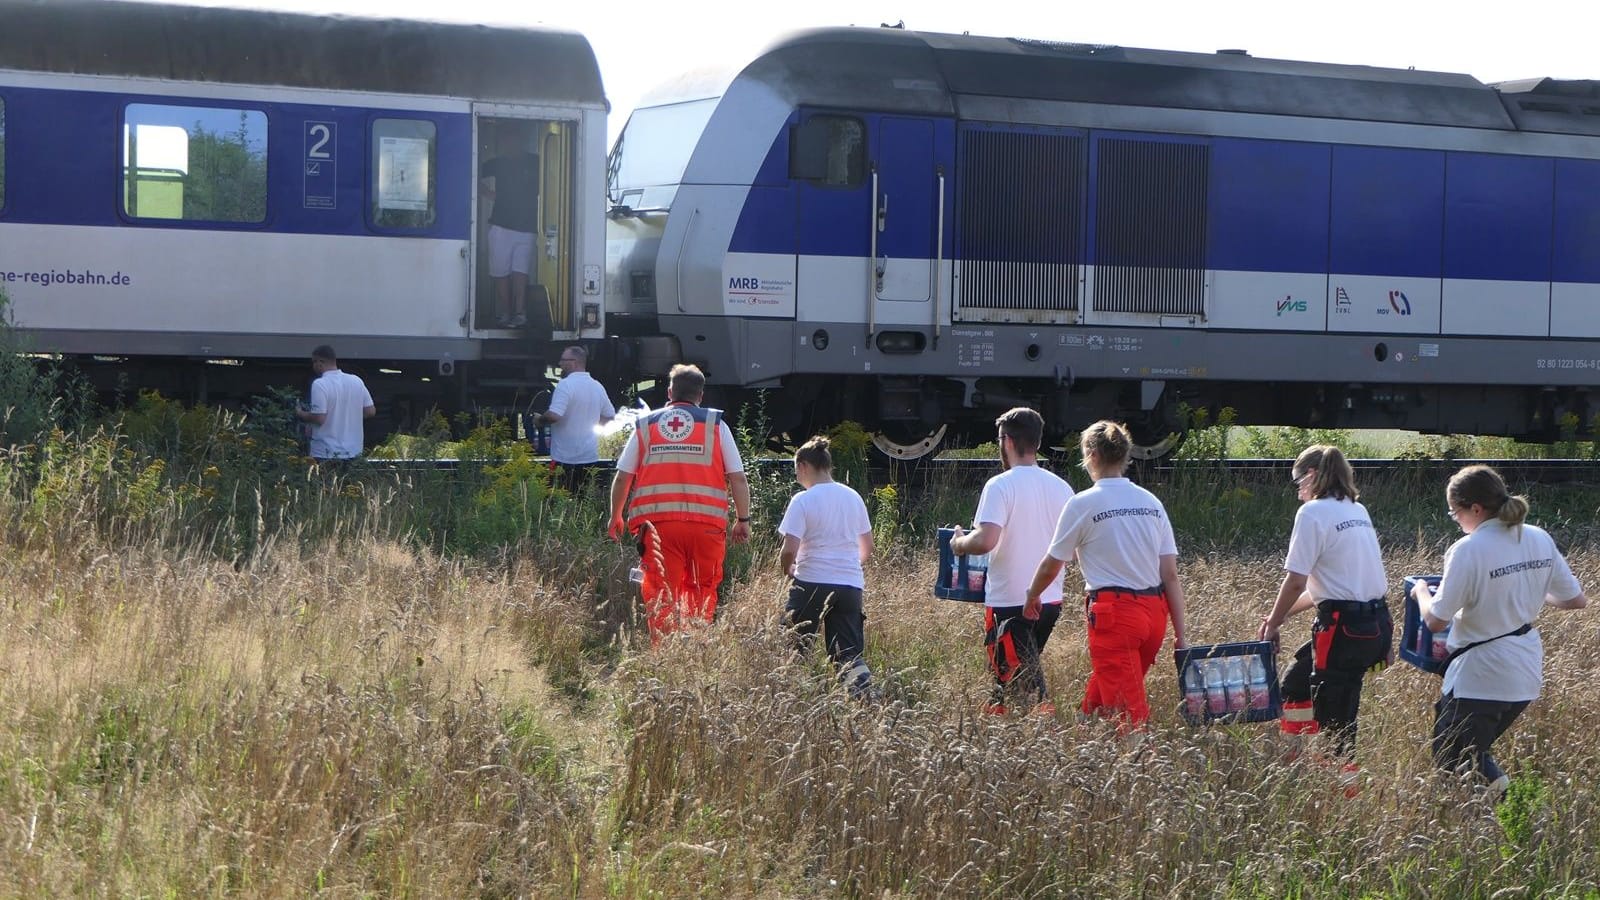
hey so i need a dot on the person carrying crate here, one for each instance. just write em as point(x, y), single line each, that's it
point(1334, 565)
point(1497, 579)
point(1122, 539)
point(1016, 512)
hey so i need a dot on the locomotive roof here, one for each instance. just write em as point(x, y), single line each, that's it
point(259, 47)
point(891, 69)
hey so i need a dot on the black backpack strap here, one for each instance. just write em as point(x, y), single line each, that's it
point(1460, 650)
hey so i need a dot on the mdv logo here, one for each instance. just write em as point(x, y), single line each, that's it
point(1399, 303)
point(744, 284)
point(1289, 304)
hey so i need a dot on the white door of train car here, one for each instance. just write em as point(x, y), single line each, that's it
point(539, 228)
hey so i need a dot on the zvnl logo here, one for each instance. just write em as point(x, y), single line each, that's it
point(1289, 304)
point(1399, 303)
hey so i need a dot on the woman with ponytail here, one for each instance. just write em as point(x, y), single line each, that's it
point(1497, 579)
point(1334, 566)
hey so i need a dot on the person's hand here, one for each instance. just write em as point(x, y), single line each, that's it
point(1268, 632)
point(1032, 607)
point(1179, 643)
point(619, 531)
point(956, 536)
point(741, 532)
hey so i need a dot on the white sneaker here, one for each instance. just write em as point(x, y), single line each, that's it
point(1499, 786)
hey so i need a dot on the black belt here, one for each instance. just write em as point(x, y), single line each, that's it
point(1354, 606)
point(1137, 592)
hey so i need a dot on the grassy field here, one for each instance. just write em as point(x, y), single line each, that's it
point(343, 703)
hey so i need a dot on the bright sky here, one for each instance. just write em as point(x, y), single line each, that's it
point(638, 43)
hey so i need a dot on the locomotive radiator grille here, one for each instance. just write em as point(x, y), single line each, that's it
point(1020, 231)
point(1150, 227)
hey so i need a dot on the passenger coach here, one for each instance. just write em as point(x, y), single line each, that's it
point(920, 230)
point(192, 198)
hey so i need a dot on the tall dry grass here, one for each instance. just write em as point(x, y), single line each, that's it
point(357, 717)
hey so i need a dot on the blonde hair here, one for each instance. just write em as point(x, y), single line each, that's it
point(1484, 486)
point(1107, 441)
point(1334, 476)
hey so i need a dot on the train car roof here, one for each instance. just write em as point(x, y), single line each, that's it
point(891, 69)
point(261, 47)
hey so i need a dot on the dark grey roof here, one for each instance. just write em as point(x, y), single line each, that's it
point(891, 69)
point(240, 46)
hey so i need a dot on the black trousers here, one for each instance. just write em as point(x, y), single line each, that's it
point(1465, 729)
point(836, 609)
point(575, 477)
point(1347, 639)
point(1016, 648)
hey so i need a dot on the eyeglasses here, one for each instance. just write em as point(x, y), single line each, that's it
point(1451, 512)
point(1301, 481)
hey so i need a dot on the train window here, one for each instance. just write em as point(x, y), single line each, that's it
point(403, 172)
point(829, 150)
point(2, 153)
point(194, 163)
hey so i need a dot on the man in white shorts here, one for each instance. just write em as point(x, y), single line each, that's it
point(512, 224)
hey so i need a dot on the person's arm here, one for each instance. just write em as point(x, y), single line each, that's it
point(982, 539)
point(1292, 598)
point(317, 412)
point(368, 411)
point(1578, 602)
point(1173, 589)
point(739, 487)
point(620, 483)
point(789, 553)
point(1049, 570)
point(1423, 592)
point(864, 546)
point(315, 418)
point(551, 416)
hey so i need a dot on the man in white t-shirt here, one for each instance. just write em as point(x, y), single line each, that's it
point(1017, 513)
point(340, 403)
point(578, 405)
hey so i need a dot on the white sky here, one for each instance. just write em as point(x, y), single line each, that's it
point(638, 43)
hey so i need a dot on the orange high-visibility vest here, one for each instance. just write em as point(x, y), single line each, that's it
point(680, 476)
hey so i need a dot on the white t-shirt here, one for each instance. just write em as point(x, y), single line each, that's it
point(581, 402)
point(829, 519)
point(1334, 546)
point(343, 398)
point(1494, 583)
point(1118, 533)
point(1026, 502)
point(628, 459)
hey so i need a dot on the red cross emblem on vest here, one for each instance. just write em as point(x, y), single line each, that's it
point(675, 425)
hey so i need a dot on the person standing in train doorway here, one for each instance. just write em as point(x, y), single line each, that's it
point(674, 478)
point(511, 181)
point(1017, 513)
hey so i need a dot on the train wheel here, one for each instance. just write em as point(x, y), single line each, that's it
point(897, 446)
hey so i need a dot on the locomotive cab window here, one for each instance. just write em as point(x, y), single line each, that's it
point(404, 173)
point(829, 150)
point(2, 153)
point(193, 163)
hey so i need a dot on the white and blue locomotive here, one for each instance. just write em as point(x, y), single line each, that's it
point(919, 230)
point(192, 198)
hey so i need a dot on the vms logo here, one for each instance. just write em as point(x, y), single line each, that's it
point(744, 284)
point(1399, 303)
point(1289, 304)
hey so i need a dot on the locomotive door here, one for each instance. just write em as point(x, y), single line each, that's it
point(904, 179)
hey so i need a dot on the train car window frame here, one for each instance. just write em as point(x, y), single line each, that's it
point(246, 206)
point(393, 201)
point(817, 153)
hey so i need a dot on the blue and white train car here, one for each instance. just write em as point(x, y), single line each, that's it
point(919, 230)
point(192, 197)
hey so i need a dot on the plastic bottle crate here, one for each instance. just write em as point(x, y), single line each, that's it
point(1412, 629)
point(1213, 656)
point(960, 577)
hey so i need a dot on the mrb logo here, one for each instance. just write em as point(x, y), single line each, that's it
point(737, 283)
point(1289, 304)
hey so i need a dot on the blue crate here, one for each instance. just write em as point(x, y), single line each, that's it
point(1205, 655)
point(1412, 629)
point(955, 578)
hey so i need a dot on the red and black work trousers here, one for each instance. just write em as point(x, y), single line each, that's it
point(1126, 629)
point(1016, 647)
point(1322, 689)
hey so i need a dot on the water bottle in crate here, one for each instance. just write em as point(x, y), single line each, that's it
point(1421, 648)
point(960, 577)
point(1235, 682)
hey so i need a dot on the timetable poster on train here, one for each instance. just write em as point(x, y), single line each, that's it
point(403, 173)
